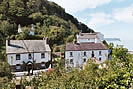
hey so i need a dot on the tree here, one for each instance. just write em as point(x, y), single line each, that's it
point(6, 28)
point(116, 75)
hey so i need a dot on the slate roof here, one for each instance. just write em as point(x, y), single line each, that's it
point(88, 35)
point(85, 46)
point(25, 46)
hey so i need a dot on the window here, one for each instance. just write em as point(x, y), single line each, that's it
point(17, 56)
point(71, 54)
point(18, 67)
point(92, 54)
point(100, 53)
point(42, 55)
point(100, 59)
point(84, 59)
point(71, 61)
point(30, 56)
point(84, 53)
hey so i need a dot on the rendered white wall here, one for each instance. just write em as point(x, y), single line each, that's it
point(89, 40)
point(85, 40)
point(78, 56)
point(24, 57)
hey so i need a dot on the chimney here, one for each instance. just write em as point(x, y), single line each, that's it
point(46, 40)
point(77, 36)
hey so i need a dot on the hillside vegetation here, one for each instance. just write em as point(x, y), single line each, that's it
point(49, 20)
point(113, 74)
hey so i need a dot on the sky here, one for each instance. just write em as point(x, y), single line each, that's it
point(113, 18)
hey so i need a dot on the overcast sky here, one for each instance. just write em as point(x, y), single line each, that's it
point(113, 18)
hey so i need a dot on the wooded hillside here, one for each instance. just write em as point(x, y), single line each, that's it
point(49, 20)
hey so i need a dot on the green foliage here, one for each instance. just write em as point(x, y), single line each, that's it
point(5, 70)
point(49, 19)
point(37, 17)
point(5, 76)
point(6, 29)
point(70, 38)
point(2, 53)
point(16, 8)
point(56, 35)
point(6, 83)
point(120, 53)
point(23, 35)
point(116, 75)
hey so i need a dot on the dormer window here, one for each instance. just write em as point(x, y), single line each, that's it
point(42, 55)
point(30, 56)
point(17, 56)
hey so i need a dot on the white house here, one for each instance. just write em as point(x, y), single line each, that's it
point(22, 53)
point(88, 46)
point(77, 54)
point(96, 37)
